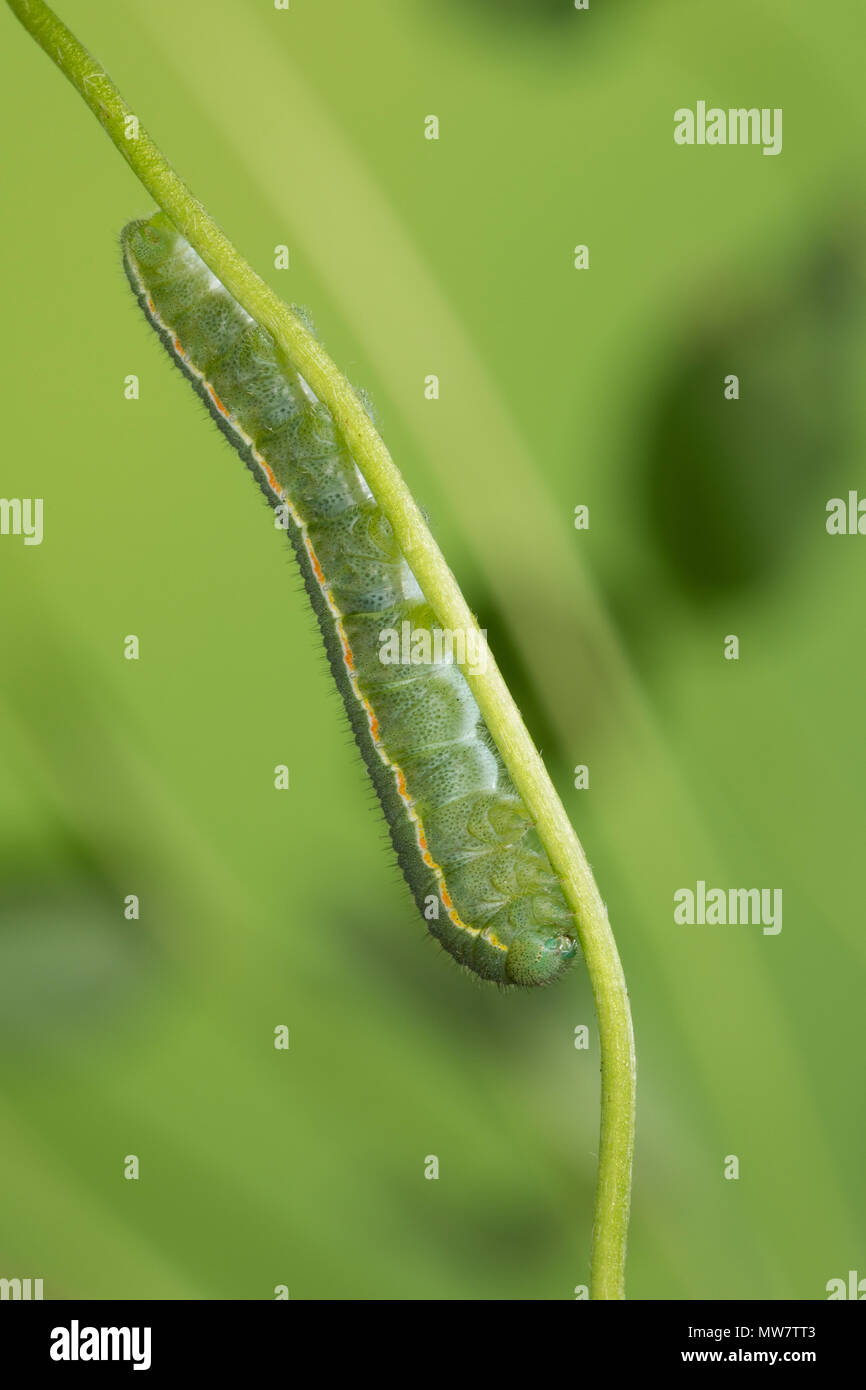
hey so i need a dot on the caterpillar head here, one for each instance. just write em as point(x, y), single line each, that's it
point(539, 955)
point(150, 241)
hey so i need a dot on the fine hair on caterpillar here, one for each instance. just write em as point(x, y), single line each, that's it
point(462, 835)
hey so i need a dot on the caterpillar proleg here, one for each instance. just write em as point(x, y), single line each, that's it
point(462, 835)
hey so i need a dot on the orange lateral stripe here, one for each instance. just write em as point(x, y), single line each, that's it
point(348, 656)
point(314, 561)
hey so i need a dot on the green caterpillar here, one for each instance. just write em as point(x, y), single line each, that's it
point(462, 835)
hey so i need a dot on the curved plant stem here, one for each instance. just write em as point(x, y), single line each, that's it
point(441, 590)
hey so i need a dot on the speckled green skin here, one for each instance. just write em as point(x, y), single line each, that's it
point(462, 835)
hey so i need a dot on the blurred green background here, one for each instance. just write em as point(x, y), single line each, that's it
point(558, 387)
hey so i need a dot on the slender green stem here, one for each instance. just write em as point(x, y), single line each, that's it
point(425, 559)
